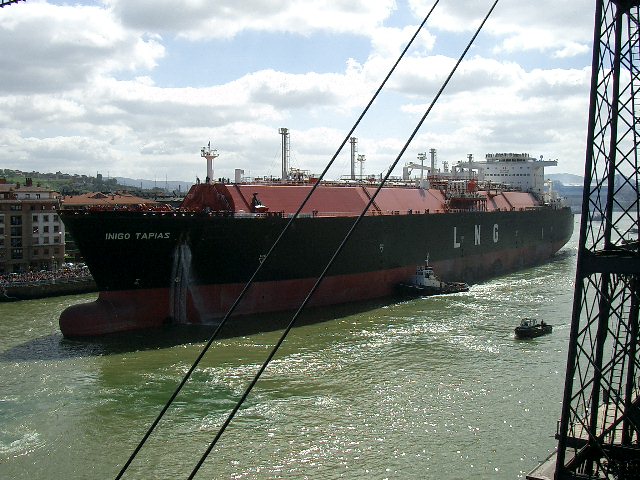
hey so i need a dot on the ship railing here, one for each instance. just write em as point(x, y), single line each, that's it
point(372, 212)
point(365, 182)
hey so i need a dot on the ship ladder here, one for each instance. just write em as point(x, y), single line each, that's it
point(244, 200)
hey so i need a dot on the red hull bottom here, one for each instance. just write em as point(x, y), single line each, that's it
point(119, 311)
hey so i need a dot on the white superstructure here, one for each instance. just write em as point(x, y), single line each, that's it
point(519, 170)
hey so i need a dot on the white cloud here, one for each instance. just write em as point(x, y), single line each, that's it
point(198, 19)
point(81, 90)
point(549, 26)
point(389, 42)
point(47, 48)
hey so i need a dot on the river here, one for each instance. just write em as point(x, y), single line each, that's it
point(428, 388)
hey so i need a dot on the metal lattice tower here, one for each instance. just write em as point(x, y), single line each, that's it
point(599, 430)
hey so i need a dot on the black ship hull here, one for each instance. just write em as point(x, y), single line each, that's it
point(152, 267)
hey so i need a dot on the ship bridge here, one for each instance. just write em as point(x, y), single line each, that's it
point(519, 170)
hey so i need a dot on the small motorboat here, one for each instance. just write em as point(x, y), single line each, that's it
point(530, 328)
point(425, 283)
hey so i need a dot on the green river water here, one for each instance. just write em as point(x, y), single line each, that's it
point(427, 388)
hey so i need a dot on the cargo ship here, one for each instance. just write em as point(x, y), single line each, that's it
point(157, 265)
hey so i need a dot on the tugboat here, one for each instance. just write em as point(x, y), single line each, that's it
point(530, 328)
point(425, 283)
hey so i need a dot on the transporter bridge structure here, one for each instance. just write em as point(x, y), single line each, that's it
point(599, 430)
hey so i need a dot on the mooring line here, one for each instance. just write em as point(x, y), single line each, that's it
point(275, 244)
point(338, 251)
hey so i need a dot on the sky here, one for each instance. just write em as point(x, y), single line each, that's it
point(136, 88)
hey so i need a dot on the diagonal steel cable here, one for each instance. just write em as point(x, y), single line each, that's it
point(337, 252)
point(249, 283)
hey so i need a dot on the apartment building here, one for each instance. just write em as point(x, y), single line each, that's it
point(31, 232)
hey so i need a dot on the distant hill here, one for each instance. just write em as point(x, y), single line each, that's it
point(170, 185)
point(566, 178)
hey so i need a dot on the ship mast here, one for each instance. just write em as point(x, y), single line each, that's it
point(206, 152)
point(421, 157)
point(361, 159)
point(354, 150)
point(285, 153)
